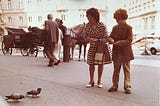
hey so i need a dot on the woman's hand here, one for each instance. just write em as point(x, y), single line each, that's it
point(93, 40)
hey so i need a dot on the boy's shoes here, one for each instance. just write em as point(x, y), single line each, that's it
point(112, 89)
point(128, 90)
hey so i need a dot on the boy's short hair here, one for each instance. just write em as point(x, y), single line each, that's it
point(121, 14)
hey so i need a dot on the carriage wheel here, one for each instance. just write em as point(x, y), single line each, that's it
point(6, 50)
point(33, 52)
point(24, 51)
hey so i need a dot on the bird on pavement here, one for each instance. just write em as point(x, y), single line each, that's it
point(14, 96)
point(34, 93)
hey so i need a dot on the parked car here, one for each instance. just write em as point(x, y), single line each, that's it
point(154, 47)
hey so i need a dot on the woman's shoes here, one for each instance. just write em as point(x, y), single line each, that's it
point(90, 84)
point(99, 85)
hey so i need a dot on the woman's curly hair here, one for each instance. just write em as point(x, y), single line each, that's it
point(121, 14)
point(94, 13)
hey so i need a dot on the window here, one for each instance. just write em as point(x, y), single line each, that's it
point(30, 19)
point(145, 23)
point(153, 22)
point(29, 2)
point(9, 19)
point(21, 19)
point(39, 18)
point(20, 4)
point(63, 17)
point(153, 5)
point(9, 4)
point(39, 2)
point(82, 16)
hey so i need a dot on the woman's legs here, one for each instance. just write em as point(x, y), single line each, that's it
point(91, 71)
point(100, 71)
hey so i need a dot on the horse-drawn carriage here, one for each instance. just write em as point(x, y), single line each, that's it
point(26, 42)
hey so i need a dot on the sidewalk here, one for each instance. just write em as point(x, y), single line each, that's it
point(64, 85)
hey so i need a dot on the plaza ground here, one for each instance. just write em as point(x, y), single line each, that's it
point(64, 85)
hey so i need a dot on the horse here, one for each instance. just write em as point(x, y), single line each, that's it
point(77, 39)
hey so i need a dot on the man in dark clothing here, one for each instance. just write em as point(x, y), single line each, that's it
point(62, 27)
point(51, 38)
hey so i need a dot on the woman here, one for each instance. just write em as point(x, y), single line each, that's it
point(122, 50)
point(95, 33)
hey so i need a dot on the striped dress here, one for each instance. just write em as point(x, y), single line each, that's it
point(98, 31)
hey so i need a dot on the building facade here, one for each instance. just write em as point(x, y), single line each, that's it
point(25, 13)
point(144, 16)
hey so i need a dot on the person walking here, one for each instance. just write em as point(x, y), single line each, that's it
point(95, 33)
point(122, 50)
point(51, 38)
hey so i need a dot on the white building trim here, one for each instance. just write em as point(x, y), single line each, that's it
point(72, 12)
point(143, 16)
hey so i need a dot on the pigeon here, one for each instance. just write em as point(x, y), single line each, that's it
point(34, 93)
point(14, 97)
